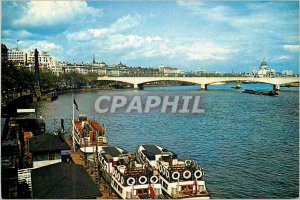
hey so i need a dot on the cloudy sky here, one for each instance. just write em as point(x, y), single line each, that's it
point(222, 36)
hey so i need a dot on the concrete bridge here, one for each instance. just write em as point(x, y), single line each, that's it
point(138, 82)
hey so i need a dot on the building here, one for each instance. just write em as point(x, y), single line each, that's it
point(287, 73)
point(46, 149)
point(117, 70)
point(63, 181)
point(25, 58)
point(265, 70)
point(169, 71)
point(4, 55)
point(17, 56)
point(45, 60)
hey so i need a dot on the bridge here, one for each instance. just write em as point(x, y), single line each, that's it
point(138, 82)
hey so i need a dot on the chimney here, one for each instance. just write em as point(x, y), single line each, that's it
point(36, 65)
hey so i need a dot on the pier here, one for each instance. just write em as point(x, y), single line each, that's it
point(78, 158)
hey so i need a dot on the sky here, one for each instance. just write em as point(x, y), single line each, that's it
point(190, 35)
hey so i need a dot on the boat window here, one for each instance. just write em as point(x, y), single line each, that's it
point(201, 188)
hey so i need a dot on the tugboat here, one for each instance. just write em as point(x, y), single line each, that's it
point(88, 132)
point(128, 178)
point(180, 178)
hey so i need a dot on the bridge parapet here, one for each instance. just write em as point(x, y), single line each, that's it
point(202, 80)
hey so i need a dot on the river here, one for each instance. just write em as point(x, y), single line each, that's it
point(247, 144)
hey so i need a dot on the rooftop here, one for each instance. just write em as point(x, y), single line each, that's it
point(113, 151)
point(47, 142)
point(63, 181)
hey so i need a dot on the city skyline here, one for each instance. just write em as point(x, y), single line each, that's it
point(224, 36)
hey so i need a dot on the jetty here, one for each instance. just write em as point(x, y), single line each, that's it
point(79, 158)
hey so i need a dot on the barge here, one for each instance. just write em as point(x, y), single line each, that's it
point(267, 93)
point(180, 178)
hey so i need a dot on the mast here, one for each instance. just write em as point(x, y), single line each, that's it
point(73, 124)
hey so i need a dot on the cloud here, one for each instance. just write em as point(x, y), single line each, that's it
point(115, 40)
point(258, 14)
point(41, 45)
point(291, 48)
point(125, 23)
point(133, 46)
point(284, 57)
point(39, 13)
point(16, 34)
point(20, 35)
point(122, 24)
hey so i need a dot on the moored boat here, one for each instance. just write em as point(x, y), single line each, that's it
point(88, 133)
point(180, 178)
point(127, 177)
point(267, 93)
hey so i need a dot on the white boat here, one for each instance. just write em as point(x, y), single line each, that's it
point(127, 177)
point(88, 133)
point(179, 178)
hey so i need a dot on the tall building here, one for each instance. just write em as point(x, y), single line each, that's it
point(22, 57)
point(17, 56)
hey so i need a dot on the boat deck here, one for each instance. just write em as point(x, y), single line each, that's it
point(77, 156)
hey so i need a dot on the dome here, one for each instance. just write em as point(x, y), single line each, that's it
point(263, 63)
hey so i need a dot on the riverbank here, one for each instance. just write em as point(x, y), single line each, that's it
point(290, 85)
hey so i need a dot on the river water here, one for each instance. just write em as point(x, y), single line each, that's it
point(247, 144)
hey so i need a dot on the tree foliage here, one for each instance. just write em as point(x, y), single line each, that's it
point(18, 78)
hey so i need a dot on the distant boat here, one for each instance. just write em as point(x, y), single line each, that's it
point(218, 83)
point(237, 86)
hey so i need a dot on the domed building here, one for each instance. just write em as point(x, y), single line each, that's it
point(265, 70)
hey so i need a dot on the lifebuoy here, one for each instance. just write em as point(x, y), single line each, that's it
point(160, 168)
point(198, 174)
point(154, 179)
point(188, 162)
point(143, 181)
point(167, 174)
point(129, 182)
point(175, 175)
point(122, 180)
point(187, 174)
